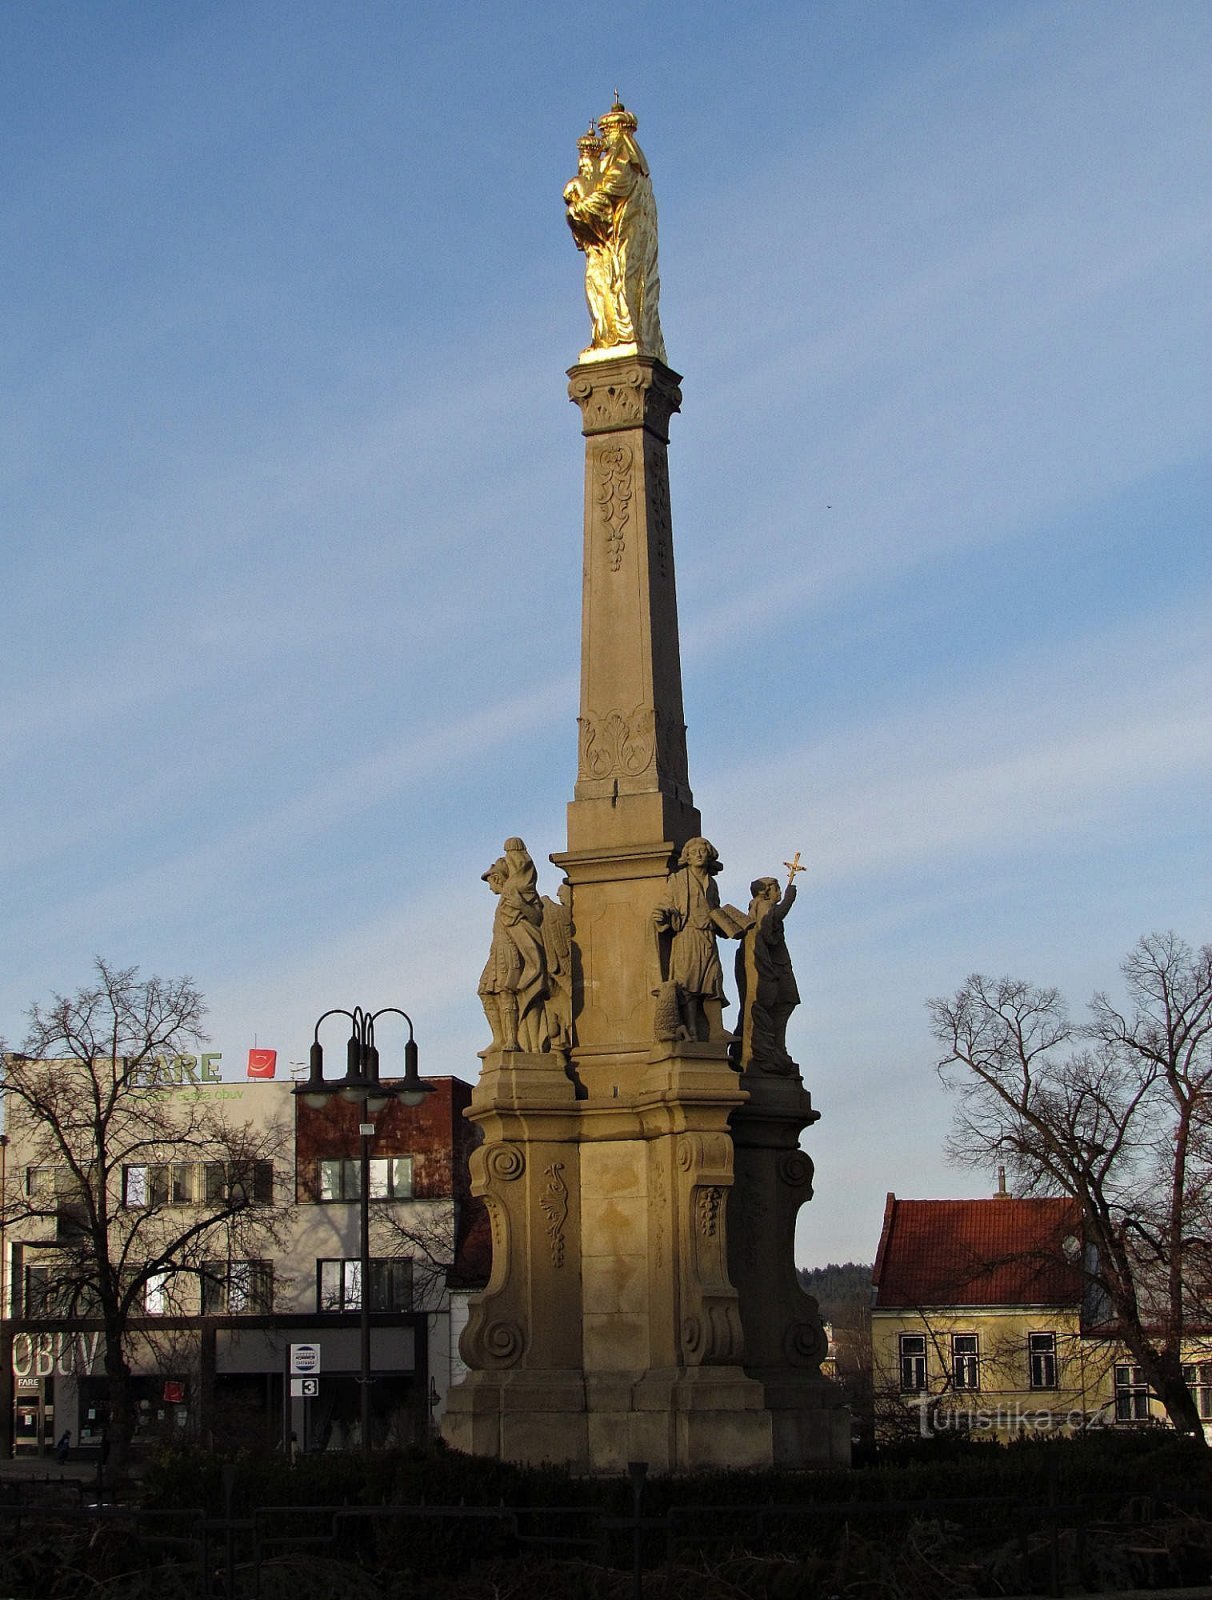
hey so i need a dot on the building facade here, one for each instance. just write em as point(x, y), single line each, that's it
point(982, 1321)
point(210, 1338)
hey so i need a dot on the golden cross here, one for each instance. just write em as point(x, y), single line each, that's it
point(793, 867)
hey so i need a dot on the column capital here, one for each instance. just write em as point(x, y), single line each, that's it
point(627, 392)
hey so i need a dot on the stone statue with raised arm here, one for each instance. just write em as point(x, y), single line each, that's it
point(765, 981)
point(612, 214)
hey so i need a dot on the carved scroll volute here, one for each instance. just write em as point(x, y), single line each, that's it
point(494, 1336)
point(711, 1323)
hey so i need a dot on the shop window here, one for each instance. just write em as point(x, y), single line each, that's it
point(339, 1285)
point(237, 1288)
point(965, 1361)
point(1199, 1380)
point(1041, 1360)
point(390, 1178)
point(913, 1362)
point(1131, 1395)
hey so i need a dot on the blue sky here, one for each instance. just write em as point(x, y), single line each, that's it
point(290, 500)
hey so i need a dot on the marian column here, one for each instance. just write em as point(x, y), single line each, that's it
point(619, 1317)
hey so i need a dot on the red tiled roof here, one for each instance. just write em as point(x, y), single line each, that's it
point(999, 1252)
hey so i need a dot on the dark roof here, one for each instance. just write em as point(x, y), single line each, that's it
point(999, 1252)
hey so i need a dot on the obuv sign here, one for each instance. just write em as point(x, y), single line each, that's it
point(43, 1355)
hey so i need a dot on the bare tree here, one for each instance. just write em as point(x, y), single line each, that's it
point(1117, 1113)
point(109, 1150)
point(425, 1233)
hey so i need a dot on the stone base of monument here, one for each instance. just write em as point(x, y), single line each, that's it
point(612, 1328)
point(703, 1419)
point(531, 1417)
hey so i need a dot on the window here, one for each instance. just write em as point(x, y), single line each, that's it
point(1199, 1381)
point(1131, 1395)
point(1041, 1360)
point(39, 1292)
point(339, 1285)
point(237, 1288)
point(913, 1362)
point(390, 1178)
point(48, 1294)
point(239, 1182)
point(185, 1183)
point(48, 1184)
point(965, 1361)
point(39, 1182)
point(155, 1294)
point(173, 1184)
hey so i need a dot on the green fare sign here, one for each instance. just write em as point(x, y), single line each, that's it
point(165, 1071)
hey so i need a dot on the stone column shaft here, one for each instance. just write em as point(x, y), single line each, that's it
point(632, 785)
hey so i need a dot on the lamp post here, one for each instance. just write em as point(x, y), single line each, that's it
point(362, 1086)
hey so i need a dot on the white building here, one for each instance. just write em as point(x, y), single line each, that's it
point(210, 1337)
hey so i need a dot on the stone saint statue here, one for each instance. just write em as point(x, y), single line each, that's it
point(692, 918)
point(557, 948)
point(513, 984)
point(612, 214)
point(765, 982)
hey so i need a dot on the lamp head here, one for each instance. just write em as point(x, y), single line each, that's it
point(413, 1089)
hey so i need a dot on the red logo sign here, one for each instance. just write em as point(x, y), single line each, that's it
point(262, 1063)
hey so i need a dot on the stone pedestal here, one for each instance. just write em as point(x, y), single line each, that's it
point(643, 1302)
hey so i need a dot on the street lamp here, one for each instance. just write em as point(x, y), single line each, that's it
point(362, 1086)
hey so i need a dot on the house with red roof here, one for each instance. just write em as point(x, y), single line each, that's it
point(982, 1320)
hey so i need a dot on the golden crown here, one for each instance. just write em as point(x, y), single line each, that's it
point(617, 117)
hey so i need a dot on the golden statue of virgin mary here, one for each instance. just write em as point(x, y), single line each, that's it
point(612, 214)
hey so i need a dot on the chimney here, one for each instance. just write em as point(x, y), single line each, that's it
point(1001, 1184)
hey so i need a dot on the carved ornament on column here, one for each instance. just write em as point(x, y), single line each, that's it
point(710, 1200)
point(618, 744)
point(631, 394)
point(613, 487)
point(553, 1201)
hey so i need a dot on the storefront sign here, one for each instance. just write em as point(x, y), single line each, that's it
point(304, 1360)
point(42, 1355)
point(166, 1072)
